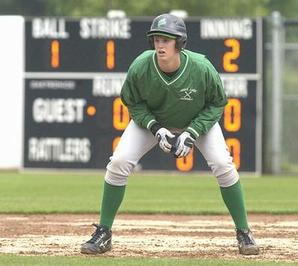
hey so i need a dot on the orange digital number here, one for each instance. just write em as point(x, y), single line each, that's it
point(235, 149)
point(185, 164)
point(232, 115)
point(120, 114)
point(110, 54)
point(55, 54)
point(228, 64)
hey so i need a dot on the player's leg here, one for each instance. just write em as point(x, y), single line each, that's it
point(215, 151)
point(133, 145)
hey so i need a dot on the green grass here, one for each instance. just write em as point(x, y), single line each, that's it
point(146, 193)
point(163, 193)
point(10, 260)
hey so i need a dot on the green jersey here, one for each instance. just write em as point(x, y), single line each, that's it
point(192, 99)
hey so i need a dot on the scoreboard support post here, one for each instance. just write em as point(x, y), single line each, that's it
point(11, 91)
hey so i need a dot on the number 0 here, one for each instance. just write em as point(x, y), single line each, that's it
point(120, 115)
point(232, 115)
point(185, 164)
point(235, 149)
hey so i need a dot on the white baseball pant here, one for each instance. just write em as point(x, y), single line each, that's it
point(136, 142)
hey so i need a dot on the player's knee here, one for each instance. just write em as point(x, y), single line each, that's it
point(228, 179)
point(221, 165)
point(118, 170)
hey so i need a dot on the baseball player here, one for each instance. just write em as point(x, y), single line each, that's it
point(170, 90)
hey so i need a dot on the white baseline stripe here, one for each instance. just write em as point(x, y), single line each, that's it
point(91, 75)
point(71, 75)
point(238, 75)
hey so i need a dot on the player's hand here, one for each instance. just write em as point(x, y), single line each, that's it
point(184, 144)
point(163, 135)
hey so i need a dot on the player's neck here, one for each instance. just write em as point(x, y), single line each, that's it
point(170, 65)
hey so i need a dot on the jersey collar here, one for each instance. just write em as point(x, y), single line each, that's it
point(161, 75)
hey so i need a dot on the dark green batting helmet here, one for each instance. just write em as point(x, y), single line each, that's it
point(169, 26)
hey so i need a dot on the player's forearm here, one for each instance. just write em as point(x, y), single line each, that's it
point(142, 115)
point(205, 120)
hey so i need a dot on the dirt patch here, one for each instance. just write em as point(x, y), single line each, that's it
point(150, 236)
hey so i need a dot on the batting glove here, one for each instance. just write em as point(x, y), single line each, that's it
point(163, 135)
point(184, 144)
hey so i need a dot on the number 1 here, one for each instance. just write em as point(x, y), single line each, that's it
point(55, 54)
point(110, 54)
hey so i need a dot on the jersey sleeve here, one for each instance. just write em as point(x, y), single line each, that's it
point(214, 106)
point(134, 99)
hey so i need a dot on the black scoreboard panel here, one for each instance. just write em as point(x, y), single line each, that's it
point(95, 54)
point(74, 71)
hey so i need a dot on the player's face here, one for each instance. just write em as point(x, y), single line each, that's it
point(164, 47)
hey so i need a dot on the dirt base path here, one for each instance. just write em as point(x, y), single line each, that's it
point(150, 236)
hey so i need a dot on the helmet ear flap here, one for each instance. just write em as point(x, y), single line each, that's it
point(151, 42)
point(180, 43)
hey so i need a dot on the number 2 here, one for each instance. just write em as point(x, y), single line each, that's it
point(229, 56)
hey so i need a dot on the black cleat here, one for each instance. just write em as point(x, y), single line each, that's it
point(246, 243)
point(100, 242)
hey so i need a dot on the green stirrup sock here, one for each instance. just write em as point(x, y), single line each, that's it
point(111, 200)
point(233, 198)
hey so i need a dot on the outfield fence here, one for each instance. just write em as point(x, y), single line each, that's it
point(281, 95)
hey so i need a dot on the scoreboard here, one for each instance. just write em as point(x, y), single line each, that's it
point(75, 68)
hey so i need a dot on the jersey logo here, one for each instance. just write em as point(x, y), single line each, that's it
point(186, 94)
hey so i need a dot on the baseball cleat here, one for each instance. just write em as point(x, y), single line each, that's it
point(246, 242)
point(100, 242)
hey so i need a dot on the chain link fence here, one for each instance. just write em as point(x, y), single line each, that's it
point(289, 158)
point(287, 99)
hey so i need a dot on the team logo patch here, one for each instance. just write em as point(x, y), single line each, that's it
point(186, 94)
point(161, 23)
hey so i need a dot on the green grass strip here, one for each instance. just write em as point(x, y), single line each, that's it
point(13, 260)
point(145, 193)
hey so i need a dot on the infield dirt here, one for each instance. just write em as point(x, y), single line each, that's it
point(155, 236)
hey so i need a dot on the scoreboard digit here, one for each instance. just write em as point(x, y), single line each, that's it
point(75, 67)
point(229, 57)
